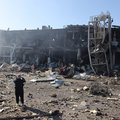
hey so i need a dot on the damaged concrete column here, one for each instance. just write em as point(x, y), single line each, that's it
point(49, 61)
point(24, 57)
point(12, 53)
point(114, 46)
point(79, 54)
point(37, 60)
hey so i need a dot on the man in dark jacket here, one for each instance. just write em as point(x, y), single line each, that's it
point(19, 91)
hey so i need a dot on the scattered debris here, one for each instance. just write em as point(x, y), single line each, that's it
point(57, 83)
point(73, 90)
point(85, 88)
point(53, 101)
point(99, 89)
point(30, 95)
point(48, 79)
point(4, 109)
point(54, 95)
point(55, 112)
point(83, 105)
point(19, 117)
point(78, 89)
point(82, 76)
point(115, 99)
point(72, 95)
point(96, 112)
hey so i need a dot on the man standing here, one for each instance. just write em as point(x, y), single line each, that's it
point(19, 91)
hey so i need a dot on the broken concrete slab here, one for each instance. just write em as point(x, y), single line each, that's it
point(82, 76)
point(49, 79)
point(57, 83)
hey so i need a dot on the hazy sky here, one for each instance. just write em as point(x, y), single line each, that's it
point(31, 14)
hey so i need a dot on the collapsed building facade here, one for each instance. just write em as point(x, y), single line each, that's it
point(103, 44)
point(96, 43)
point(36, 46)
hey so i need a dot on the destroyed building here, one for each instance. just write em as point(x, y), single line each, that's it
point(96, 43)
point(103, 44)
point(35, 46)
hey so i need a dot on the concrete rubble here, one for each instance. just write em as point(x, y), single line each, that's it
point(87, 76)
point(99, 89)
point(74, 98)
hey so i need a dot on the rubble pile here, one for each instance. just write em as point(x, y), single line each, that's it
point(97, 88)
point(15, 67)
point(4, 67)
point(82, 76)
point(58, 66)
point(73, 100)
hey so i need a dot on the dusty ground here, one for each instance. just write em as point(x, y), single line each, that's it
point(69, 101)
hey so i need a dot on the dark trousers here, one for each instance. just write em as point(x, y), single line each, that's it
point(19, 94)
